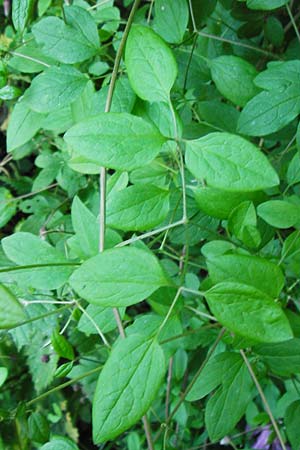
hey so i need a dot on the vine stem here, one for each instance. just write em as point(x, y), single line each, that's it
point(263, 398)
point(102, 183)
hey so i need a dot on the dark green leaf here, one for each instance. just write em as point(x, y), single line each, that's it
point(283, 358)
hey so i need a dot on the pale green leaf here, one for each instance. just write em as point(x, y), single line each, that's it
point(11, 311)
point(3, 375)
point(25, 249)
point(242, 223)
point(86, 227)
point(71, 42)
point(115, 140)
point(55, 88)
point(266, 4)
point(119, 277)
point(59, 443)
point(21, 10)
point(171, 19)
point(229, 162)
point(23, 125)
point(7, 206)
point(227, 72)
point(103, 317)
point(248, 312)
point(279, 213)
point(151, 66)
point(139, 207)
point(251, 270)
point(122, 396)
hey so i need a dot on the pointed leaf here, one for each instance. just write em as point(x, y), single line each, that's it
point(11, 311)
point(122, 396)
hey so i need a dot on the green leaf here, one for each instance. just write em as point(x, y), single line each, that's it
point(119, 277)
point(229, 162)
point(55, 88)
point(71, 42)
point(251, 270)
point(38, 428)
point(274, 108)
point(59, 443)
point(122, 397)
point(279, 213)
point(151, 66)
point(266, 4)
point(21, 11)
point(291, 421)
point(115, 140)
point(171, 19)
point(61, 346)
point(248, 312)
point(213, 374)
point(86, 227)
point(227, 72)
point(293, 172)
point(23, 125)
point(7, 207)
point(103, 317)
point(242, 223)
point(26, 249)
point(220, 203)
point(227, 406)
point(137, 208)
point(283, 358)
point(11, 311)
point(3, 374)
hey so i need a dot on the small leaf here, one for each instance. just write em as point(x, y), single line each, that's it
point(283, 358)
point(115, 140)
point(38, 428)
point(140, 207)
point(229, 162)
point(150, 64)
point(248, 312)
point(11, 311)
point(59, 443)
point(279, 213)
point(23, 125)
point(86, 227)
point(118, 277)
point(227, 72)
point(21, 10)
point(266, 4)
point(242, 223)
point(7, 207)
point(61, 346)
point(55, 88)
point(122, 396)
point(251, 270)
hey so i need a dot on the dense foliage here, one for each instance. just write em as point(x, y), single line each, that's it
point(150, 225)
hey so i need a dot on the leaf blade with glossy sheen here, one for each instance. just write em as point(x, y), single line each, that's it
point(137, 208)
point(119, 277)
point(122, 397)
point(11, 311)
point(248, 312)
point(115, 140)
point(229, 162)
point(279, 213)
point(150, 64)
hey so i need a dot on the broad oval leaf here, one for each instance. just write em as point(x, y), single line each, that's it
point(251, 270)
point(71, 42)
point(119, 277)
point(127, 386)
point(11, 311)
point(115, 140)
point(283, 358)
point(55, 88)
point(279, 213)
point(139, 207)
point(229, 162)
point(151, 66)
point(227, 72)
point(47, 267)
point(248, 312)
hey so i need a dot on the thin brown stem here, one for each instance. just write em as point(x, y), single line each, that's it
point(263, 399)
